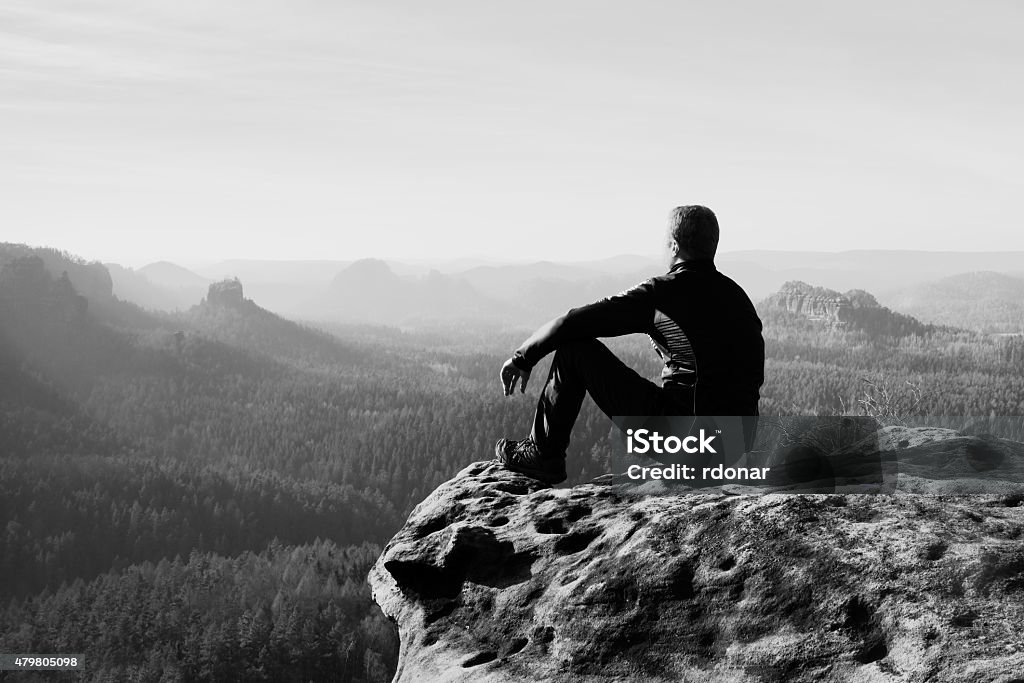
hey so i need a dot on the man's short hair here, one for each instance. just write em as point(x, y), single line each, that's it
point(695, 230)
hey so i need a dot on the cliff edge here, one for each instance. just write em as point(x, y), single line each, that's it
point(496, 577)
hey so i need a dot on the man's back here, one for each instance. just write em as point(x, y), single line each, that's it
point(709, 334)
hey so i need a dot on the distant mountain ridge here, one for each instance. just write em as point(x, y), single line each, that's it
point(369, 290)
point(981, 301)
point(526, 294)
point(762, 272)
point(136, 287)
point(172, 276)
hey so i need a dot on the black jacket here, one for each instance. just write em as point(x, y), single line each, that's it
point(701, 323)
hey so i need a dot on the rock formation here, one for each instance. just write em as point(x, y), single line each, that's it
point(855, 309)
point(496, 577)
point(814, 303)
point(226, 293)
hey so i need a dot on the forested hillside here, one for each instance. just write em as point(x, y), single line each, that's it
point(134, 526)
point(206, 489)
point(296, 613)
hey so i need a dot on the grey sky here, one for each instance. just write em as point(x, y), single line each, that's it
point(193, 131)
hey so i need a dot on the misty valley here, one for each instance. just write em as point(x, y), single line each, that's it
point(192, 483)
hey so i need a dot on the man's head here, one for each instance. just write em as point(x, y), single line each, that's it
point(693, 232)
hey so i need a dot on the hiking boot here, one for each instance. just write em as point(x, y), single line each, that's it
point(524, 457)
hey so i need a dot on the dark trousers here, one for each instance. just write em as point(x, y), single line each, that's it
point(588, 366)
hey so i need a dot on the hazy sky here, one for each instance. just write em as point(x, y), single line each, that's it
point(193, 131)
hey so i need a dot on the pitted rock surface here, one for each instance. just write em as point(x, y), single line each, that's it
point(496, 577)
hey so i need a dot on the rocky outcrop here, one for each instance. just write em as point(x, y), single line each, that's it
point(856, 309)
point(369, 291)
point(226, 293)
point(496, 577)
point(814, 303)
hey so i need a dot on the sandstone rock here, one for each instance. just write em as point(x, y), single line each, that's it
point(226, 293)
point(496, 577)
point(856, 309)
point(814, 303)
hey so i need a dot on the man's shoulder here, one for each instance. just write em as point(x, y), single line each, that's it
point(677, 282)
point(684, 277)
point(640, 289)
point(709, 273)
point(709, 283)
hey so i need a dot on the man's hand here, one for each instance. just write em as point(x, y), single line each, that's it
point(510, 374)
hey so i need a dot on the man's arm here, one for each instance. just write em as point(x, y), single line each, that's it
point(625, 313)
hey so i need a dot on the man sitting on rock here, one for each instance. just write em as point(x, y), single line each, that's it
point(701, 323)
